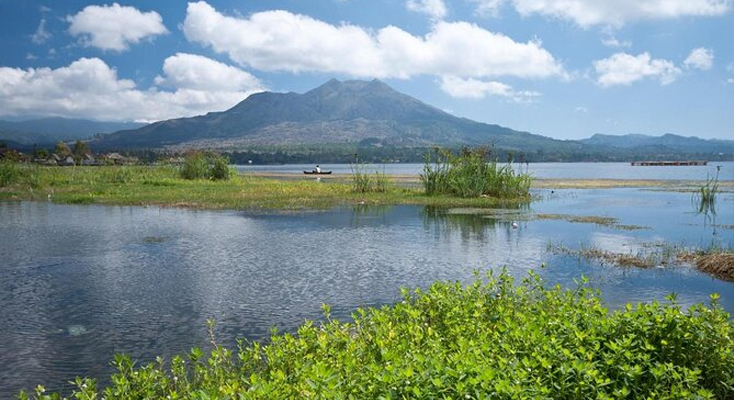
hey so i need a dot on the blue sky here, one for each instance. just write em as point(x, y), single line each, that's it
point(560, 68)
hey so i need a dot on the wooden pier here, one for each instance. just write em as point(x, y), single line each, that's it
point(668, 163)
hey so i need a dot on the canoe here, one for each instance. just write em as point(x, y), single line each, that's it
point(317, 173)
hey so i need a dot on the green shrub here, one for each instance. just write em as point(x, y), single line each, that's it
point(206, 165)
point(470, 174)
point(489, 340)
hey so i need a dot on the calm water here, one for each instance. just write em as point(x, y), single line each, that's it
point(80, 283)
point(539, 170)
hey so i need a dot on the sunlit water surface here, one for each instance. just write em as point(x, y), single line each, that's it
point(81, 283)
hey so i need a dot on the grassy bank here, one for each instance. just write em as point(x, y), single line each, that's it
point(491, 340)
point(163, 186)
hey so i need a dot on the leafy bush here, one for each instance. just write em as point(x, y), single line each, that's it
point(470, 174)
point(491, 340)
point(206, 165)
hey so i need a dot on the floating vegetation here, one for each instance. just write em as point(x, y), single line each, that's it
point(154, 239)
point(636, 260)
point(720, 264)
point(713, 260)
point(626, 227)
point(605, 221)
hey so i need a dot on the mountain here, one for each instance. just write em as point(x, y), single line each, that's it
point(666, 143)
point(48, 131)
point(350, 112)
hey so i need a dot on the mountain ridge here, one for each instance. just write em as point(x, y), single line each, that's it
point(334, 113)
point(49, 130)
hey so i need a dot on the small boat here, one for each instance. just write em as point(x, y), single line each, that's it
point(317, 173)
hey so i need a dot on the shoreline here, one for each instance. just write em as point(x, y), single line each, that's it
point(538, 183)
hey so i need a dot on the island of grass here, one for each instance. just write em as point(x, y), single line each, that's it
point(492, 339)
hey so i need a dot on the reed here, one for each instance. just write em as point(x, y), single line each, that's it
point(206, 165)
point(365, 181)
point(705, 197)
point(471, 174)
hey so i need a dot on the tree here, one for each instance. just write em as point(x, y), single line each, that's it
point(81, 149)
point(62, 149)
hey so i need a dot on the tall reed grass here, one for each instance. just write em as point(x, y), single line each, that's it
point(705, 197)
point(365, 181)
point(206, 165)
point(471, 174)
point(12, 172)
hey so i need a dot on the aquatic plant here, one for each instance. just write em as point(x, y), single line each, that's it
point(364, 181)
point(206, 165)
point(491, 339)
point(705, 197)
point(720, 264)
point(472, 174)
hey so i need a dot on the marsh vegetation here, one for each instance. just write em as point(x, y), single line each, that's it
point(472, 173)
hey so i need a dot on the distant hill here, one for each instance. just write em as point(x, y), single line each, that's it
point(48, 131)
point(351, 112)
point(669, 143)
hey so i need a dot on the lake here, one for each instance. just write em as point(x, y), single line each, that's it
point(81, 283)
point(537, 170)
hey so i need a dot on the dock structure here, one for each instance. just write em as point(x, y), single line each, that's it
point(668, 163)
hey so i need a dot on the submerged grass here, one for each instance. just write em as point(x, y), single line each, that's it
point(713, 260)
point(163, 186)
point(492, 339)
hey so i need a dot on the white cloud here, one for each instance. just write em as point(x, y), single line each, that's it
point(615, 43)
point(89, 88)
point(436, 9)
point(192, 71)
point(282, 41)
point(624, 69)
point(700, 58)
point(477, 89)
point(587, 13)
point(115, 27)
point(41, 35)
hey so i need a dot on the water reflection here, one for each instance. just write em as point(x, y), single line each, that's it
point(80, 283)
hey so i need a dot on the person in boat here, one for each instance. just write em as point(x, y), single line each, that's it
point(318, 169)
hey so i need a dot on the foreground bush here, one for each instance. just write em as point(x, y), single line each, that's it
point(491, 340)
point(206, 165)
point(471, 174)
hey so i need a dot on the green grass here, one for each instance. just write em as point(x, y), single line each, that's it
point(163, 186)
point(471, 174)
point(363, 181)
point(492, 339)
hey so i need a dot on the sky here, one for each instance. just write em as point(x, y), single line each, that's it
point(561, 68)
